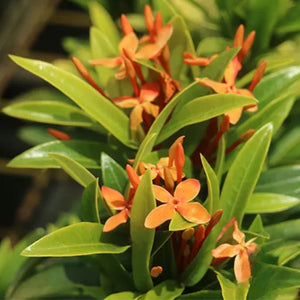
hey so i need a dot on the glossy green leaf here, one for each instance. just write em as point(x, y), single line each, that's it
point(79, 173)
point(179, 223)
point(212, 45)
point(102, 48)
point(276, 84)
point(268, 203)
point(202, 109)
point(281, 180)
point(51, 112)
point(84, 152)
point(277, 277)
point(165, 8)
point(243, 175)
point(213, 199)
point(233, 291)
point(113, 175)
point(275, 112)
point(288, 253)
point(287, 148)
point(89, 202)
point(288, 230)
point(103, 21)
point(91, 101)
point(202, 295)
point(161, 237)
point(169, 289)
point(62, 281)
point(122, 295)
point(141, 237)
point(34, 135)
point(78, 239)
point(220, 158)
point(290, 22)
point(257, 230)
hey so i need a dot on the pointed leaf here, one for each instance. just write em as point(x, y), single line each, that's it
point(89, 202)
point(202, 295)
point(78, 239)
point(220, 158)
point(213, 186)
point(202, 109)
point(142, 238)
point(79, 173)
point(268, 203)
point(179, 223)
point(243, 175)
point(92, 102)
point(288, 230)
point(122, 295)
point(114, 176)
point(51, 112)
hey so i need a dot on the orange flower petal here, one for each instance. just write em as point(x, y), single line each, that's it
point(242, 269)
point(115, 221)
point(226, 250)
point(148, 51)
point(244, 92)
point(113, 198)
point(197, 61)
point(121, 73)
point(251, 247)
point(163, 35)
point(172, 150)
point(193, 212)
point(107, 62)
point(218, 87)
point(129, 42)
point(232, 70)
point(151, 109)
point(187, 190)
point(235, 115)
point(162, 194)
point(237, 234)
point(127, 103)
point(149, 92)
point(136, 117)
point(159, 215)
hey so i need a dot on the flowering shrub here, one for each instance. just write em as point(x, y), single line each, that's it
point(192, 194)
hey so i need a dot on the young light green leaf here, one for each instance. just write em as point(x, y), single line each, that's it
point(75, 240)
point(122, 295)
point(211, 45)
point(290, 22)
point(103, 21)
point(243, 175)
point(202, 109)
point(179, 223)
point(78, 172)
point(141, 237)
point(50, 112)
point(282, 180)
point(202, 295)
point(113, 175)
point(213, 199)
point(278, 279)
point(84, 152)
point(169, 289)
point(89, 202)
point(165, 8)
point(233, 291)
point(92, 102)
point(269, 203)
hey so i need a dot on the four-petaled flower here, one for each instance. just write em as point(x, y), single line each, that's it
point(241, 251)
point(148, 94)
point(185, 192)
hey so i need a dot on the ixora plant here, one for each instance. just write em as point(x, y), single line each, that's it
point(177, 182)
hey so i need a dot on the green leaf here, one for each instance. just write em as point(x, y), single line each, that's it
point(282, 180)
point(122, 295)
point(213, 199)
point(278, 278)
point(276, 84)
point(288, 143)
point(288, 253)
point(89, 202)
point(165, 8)
point(79, 173)
point(233, 291)
point(114, 176)
point(290, 22)
point(268, 203)
point(275, 112)
point(288, 230)
point(220, 158)
point(91, 101)
point(179, 223)
point(141, 237)
point(51, 112)
point(103, 21)
point(243, 175)
point(161, 238)
point(102, 48)
point(257, 230)
point(169, 289)
point(78, 239)
point(202, 109)
point(212, 45)
point(61, 281)
point(202, 295)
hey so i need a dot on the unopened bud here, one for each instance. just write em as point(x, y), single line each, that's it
point(188, 233)
point(246, 136)
point(126, 27)
point(59, 134)
point(133, 176)
point(156, 271)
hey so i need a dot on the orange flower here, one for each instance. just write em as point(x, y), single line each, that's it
point(117, 201)
point(241, 251)
point(193, 60)
point(148, 94)
point(185, 192)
